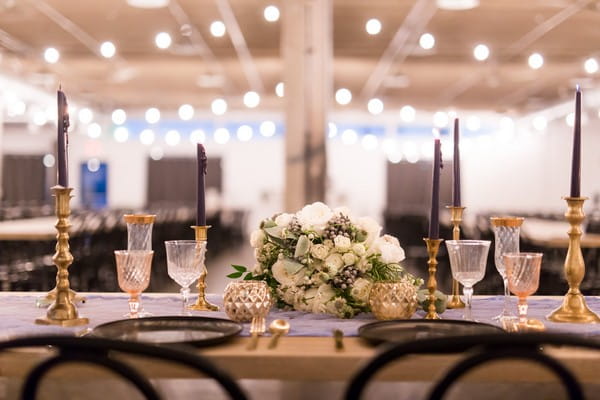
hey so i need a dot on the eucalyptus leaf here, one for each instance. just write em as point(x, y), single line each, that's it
point(268, 223)
point(291, 267)
point(302, 246)
point(275, 231)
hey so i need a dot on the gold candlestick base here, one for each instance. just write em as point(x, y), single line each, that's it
point(433, 246)
point(574, 308)
point(456, 213)
point(201, 233)
point(51, 296)
point(62, 311)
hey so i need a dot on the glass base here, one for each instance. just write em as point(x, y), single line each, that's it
point(504, 315)
point(142, 314)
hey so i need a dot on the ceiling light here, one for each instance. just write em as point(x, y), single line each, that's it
point(218, 106)
point(121, 134)
point(349, 137)
point(251, 99)
point(539, 122)
point(570, 119)
point(369, 142)
point(507, 123)
point(172, 138)
point(481, 52)
point(221, 135)
point(279, 89)
point(51, 55)
point(427, 41)
point(152, 115)
point(108, 49)
point(217, 29)
point(163, 40)
point(375, 106)
point(332, 129)
point(93, 165)
point(94, 130)
point(343, 96)
point(119, 116)
point(85, 115)
point(591, 65)
point(186, 112)
point(197, 136)
point(267, 128)
point(373, 26)
point(535, 61)
point(244, 133)
point(473, 123)
point(40, 118)
point(147, 137)
point(48, 160)
point(408, 113)
point(440, 119)
point(16, 108)
point(395, 157)
point(157, 153)
point(457, 5)
point(148, 3)
point(271, 13)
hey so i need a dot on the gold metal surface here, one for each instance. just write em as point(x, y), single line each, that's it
point(456, 213)
point(574, 308)
point(62, 311)
point(139, 218)
point(507, 221)
point(433, 246)
point(51, 296)
point(201, 234)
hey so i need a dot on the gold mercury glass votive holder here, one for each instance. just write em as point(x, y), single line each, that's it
point(243, 300)
point(393, 300)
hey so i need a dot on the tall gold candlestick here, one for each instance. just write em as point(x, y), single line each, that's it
point(433, 246)
point(62, 311)
point(456, 213)
point(201, 233)
point(574, 307)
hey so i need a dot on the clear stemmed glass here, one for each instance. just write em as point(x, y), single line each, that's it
point(506, 235)
point(133, 273)
point(523, 270)
point(468, 260)
point(185, 264)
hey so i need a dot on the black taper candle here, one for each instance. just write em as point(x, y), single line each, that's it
point(434, 219)
point(62, 139)
point(576, 160)
point(456, 167)
point(200, 200)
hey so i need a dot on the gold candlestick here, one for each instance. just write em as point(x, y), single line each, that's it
point(574, 308)
point(62, 311)
point(202, 304)
point(433, 246)
point(456, 213)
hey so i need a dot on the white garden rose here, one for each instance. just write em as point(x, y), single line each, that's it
point(324, 295)
point(288, 273)
point(334, 263)
point(257, 238)
point(315, 217)
point(283, 219)
point(306, 301)
point(349, 258)
point(343, 210)
point(361, 289)
point(389, 248)
point(370, 226)
point(319, 251)
point(342, 243)
point(359, 249)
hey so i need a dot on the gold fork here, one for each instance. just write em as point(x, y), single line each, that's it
point(257, 328)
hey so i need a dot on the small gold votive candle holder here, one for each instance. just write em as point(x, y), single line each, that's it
point(243, 300)
point(393, 300)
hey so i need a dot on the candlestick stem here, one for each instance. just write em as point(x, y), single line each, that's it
point(201, 234)
point(456, 213)
point(433, 246)
point(574, 308)
point(62, 311)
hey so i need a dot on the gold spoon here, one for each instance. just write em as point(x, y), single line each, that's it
point(277, 328)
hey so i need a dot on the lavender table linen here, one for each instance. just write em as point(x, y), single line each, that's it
point(18, 312)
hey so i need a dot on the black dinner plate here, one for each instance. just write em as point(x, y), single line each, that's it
point(398, 331)
point(197, 331)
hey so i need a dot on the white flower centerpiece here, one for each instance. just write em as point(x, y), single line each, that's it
point(324, 261)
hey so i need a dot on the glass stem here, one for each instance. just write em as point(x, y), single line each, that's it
point(185, 294)
point(134, 305)
point(522, 310)
point(506, 296)
point(468, 292)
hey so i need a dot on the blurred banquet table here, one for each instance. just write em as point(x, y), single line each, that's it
point(30, 229)
point(553, 234)
point(307, 354)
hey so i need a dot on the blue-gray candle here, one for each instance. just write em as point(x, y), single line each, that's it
point(434, 219)
point(200, 201)
point(456, 167)
point(576, 160)
point(62, 139)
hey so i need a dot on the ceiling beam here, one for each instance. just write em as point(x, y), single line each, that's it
point(239, 43)
point(13, 44)
point(401, 44)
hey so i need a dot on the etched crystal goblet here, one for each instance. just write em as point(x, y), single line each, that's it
point(523, 271)
point(185, 264)
point(133, 274)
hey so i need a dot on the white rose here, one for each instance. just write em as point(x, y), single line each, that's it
point(389, 248)
point(306, 301)
point(370, 226)
point(257, 238)
point(283, 219)
point(319, 251)
point(349, 259)
point(314, 217)
point(361, 289)
point(359, 249)
point(342, 243)
point(334, 263)
point(324, 295)
point(342, 210)
point(287, 276)
point(290, 293)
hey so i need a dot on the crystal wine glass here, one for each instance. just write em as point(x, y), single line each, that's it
point(133, 272)
point(467, 261)
point(523, 270)
point(185, 264)
point(506, 234)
